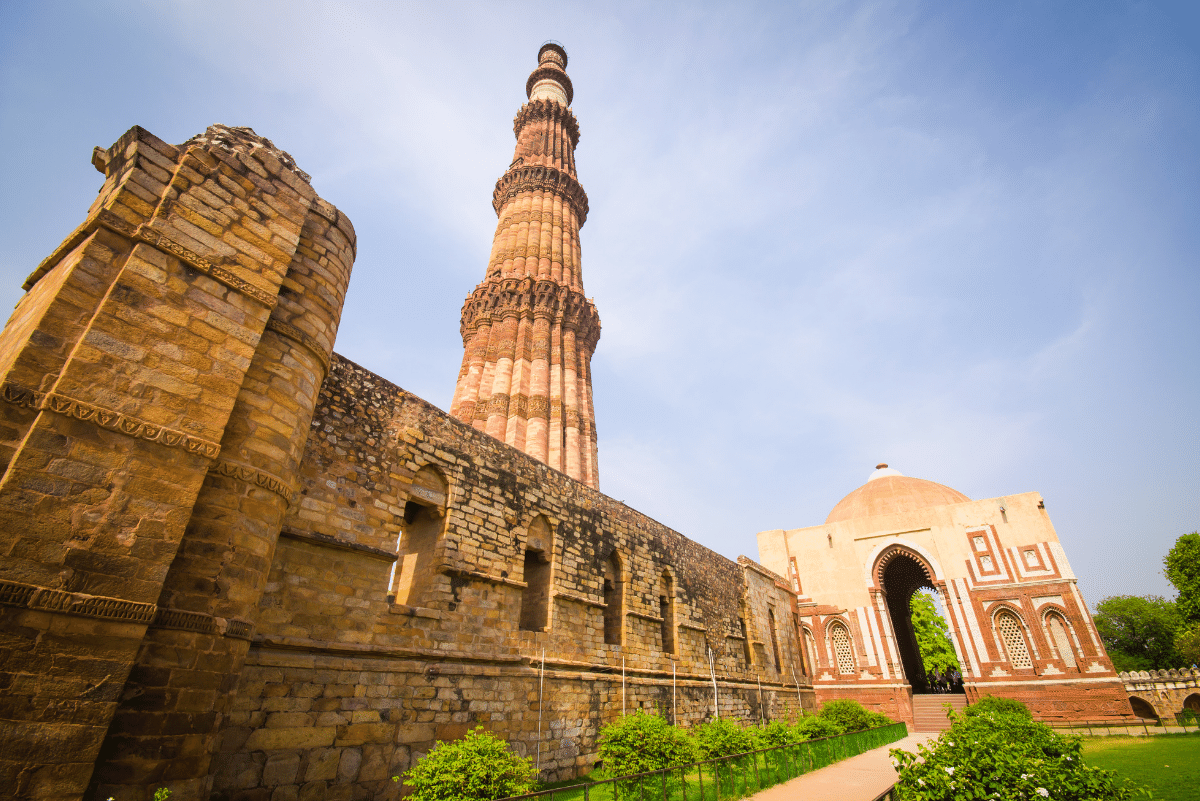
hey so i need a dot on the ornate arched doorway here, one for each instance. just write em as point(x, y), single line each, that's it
point(899, 573)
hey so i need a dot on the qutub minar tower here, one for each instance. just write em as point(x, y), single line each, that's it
point(528, 330)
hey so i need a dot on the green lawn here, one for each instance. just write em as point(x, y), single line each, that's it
point(1169, 764)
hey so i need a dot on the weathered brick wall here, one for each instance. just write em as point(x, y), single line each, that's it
point(342, 689)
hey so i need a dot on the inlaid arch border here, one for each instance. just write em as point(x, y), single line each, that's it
point(875, 562)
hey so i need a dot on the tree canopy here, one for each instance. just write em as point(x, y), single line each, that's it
point(933, 636)
point(1139, 632)
point(1181, 566)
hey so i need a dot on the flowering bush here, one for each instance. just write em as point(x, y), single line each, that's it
point(1003, 756)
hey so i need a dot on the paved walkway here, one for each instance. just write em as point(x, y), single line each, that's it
point(860, 778)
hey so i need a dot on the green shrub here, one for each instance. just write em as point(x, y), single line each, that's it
point(640, 742)
point(813, 728)
point(991, 705)
point(479, 767)
point(722, 737)
point(777, 733)
point(850, 715)
point(1005, 756)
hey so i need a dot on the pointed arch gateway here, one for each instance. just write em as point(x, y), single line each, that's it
point(899, 572)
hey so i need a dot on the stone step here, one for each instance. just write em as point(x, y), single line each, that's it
point(929, 713)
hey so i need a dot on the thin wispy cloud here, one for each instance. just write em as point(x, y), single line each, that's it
point(958, 237)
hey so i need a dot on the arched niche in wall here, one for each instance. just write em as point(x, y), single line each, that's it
point(424, 519)
point(774, 639)
point(1059, 634)
point(747, 647)
point(666, 610)
point(613, 578)
point(1011, 630)
point(841, 645)
point(539, 558)
point(810, 649)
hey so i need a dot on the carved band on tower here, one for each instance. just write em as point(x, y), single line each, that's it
point(528, 330)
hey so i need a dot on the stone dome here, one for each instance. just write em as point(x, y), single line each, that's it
point(888, 491)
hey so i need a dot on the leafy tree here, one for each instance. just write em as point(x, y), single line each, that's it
point(1187, 643)
point(1139, 632)
point(641, 742)
point(933, 636)
point(478, 767)
point(1182, 568)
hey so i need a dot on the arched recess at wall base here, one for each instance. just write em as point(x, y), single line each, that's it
point(1142, 708)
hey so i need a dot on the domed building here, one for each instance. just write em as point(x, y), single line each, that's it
point(1019, 626)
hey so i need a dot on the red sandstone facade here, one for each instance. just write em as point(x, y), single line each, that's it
point(1019, 627)
point(528, 330)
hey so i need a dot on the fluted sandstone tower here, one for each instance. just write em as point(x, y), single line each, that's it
point(528, 330)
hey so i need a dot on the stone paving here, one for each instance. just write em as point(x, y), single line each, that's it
point(861, 778)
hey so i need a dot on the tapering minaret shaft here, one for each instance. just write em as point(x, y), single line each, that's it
point(528, 331)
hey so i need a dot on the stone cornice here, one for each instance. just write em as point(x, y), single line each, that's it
point(518, 297)
point(540, 177)
point(252, 475)
point(106, 418)
point(546, 109)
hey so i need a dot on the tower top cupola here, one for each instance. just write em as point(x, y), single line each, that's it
point(549, 81)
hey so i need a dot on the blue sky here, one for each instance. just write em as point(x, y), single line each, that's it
point(958, 237)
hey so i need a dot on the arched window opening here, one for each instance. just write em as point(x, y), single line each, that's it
point(614, 600)
point(1061, 639)
point(1192, 703)
point(1013, 638)
point(842, 649)
point(666, 610)
point(535, 598)
point(423, 523)
point(774, 640)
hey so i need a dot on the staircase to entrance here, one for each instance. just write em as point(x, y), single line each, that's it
point(929, 714)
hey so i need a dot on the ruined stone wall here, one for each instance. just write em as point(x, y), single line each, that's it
point(158, 378)
point(343, 688)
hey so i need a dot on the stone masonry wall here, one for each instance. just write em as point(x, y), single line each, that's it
point(342, 689)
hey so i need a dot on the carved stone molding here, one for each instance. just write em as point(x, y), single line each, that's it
point(546, 109)
point(29, 596)
point(202, 623)
point(540, 177)
point(106, 418)
point(300, 337)
point(252, 475)
point(526, 296)
point(216, 272)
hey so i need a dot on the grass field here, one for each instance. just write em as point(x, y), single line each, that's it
point(1169, 764)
